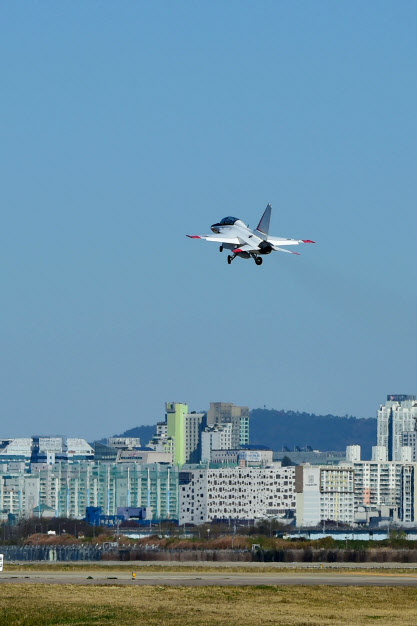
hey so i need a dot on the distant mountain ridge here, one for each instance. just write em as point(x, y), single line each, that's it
point(322, 432)
point(277, 429)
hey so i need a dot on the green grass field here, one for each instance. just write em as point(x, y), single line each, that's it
point(42, 605)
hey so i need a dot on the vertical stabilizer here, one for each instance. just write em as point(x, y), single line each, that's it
point(263, 225)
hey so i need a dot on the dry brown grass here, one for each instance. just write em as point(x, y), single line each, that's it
point(51, 540)
point(196, 567)
point(44, 605)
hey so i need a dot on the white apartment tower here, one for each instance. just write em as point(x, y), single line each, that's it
point(216, 438)
point(397, 416)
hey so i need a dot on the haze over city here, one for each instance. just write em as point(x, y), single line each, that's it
point(127, 126)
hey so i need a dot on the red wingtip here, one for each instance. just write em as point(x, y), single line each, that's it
point(307, 241)
point(297, 253)
point(193, 236)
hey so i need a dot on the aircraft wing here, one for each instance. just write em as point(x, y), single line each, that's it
point(218, 238)
point(280, 241)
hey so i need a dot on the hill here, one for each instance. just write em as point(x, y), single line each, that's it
point(323, 432)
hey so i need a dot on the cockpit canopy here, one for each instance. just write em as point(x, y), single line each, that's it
point(228, 221)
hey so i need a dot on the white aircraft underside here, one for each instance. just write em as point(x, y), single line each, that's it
point(232, 234)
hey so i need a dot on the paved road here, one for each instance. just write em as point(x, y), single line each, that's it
point(211, 578)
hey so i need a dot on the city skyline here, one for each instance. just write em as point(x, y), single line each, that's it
point(155, 423)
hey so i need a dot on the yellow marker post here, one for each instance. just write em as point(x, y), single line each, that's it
point(133, 575)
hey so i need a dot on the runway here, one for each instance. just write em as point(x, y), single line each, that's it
point(211, 578)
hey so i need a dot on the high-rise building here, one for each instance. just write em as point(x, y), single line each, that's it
point(228, 413)
point(176, 428)
point(377, 483)
point(194, 424)
point(408, 506)
point(395, 417)
point(324, 493)
point(409, 440)
point(215, 438)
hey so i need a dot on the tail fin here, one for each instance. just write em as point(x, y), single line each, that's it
point(263, 225)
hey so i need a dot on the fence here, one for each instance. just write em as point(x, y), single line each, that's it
point(306, 555)
point(51, 553)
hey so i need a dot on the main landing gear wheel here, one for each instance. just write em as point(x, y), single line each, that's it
point(221, 249)
point(258, 260)
point(229, 259)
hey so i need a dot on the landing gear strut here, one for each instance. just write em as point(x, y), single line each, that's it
point(258, 260)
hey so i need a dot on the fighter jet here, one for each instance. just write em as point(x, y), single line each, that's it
point(245, 243)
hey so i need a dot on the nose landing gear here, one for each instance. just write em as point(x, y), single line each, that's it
point(221, 249)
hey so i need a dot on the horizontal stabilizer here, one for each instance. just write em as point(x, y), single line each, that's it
point(284, 250)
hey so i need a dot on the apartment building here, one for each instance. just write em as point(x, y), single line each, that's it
point(69, 488)
point(45, 449)
point(194, 425)
point(236, 493)
point(377, 483)
point(324, 493)
point(396, 416)
point(217, 437)
point(228, 413)
point(409, 442)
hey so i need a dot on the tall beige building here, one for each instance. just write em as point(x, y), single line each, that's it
point(228, 413)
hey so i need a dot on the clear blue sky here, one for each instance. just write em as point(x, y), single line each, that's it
point(126, 125)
